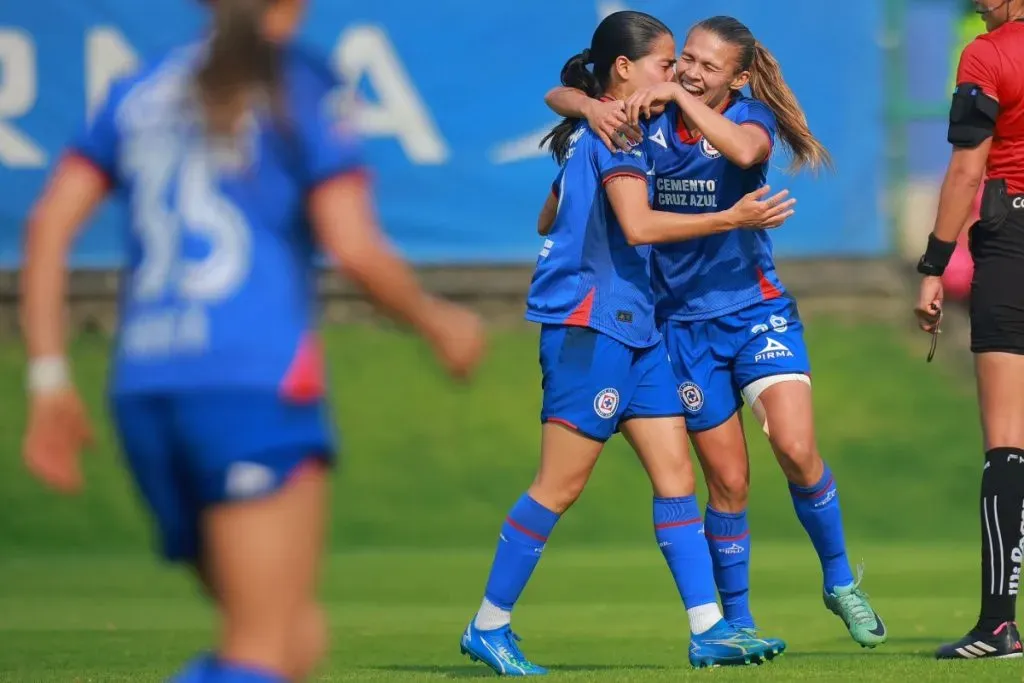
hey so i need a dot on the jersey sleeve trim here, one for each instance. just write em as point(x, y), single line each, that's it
point(764, 129)
point(356, 173)
point(74, 155)
point(622, 171)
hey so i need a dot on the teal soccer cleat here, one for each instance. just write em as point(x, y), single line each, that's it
point(498, 649)
point(850, 604)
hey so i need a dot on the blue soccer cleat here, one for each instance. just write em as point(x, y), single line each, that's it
point(498, 649)
point(777, 645)
point(723, 645)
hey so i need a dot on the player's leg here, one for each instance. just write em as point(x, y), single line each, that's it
point(997, 340)
point(144, 430)
point(308, 637)
point(774, 370)
point(581, 369)
point(657, 431)
point(700, 360)
point(258, 466)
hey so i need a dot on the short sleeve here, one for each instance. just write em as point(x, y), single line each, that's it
point(620, 163)
point(979, 64)
point(330, 146)
point(758, 114)
point(99, 141)
point(556, 184)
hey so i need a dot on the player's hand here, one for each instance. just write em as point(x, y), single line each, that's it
point(757, 210)
point(648, 101)
point(58, 430)
point(457, 336)
point(608, 121)
point(929, 303)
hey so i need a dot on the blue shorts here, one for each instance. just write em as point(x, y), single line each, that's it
point(714, 359)
point(190, 451)
point(592, 383)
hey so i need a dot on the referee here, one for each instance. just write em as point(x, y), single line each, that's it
point(986, 129)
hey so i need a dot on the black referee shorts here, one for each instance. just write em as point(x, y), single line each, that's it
point(997, 290)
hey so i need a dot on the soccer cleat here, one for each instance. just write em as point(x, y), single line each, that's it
point(1004, 643)
point(851, 605)
point(723, 645)
point(498, 649)
point(777, 645)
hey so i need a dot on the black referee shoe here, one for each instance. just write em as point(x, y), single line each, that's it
point(1003, 644)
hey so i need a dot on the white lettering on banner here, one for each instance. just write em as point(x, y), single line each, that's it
point(366, 51)
point(108, 57)
point(18, 91)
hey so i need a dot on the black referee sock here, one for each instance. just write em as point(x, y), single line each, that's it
point(1002, 536)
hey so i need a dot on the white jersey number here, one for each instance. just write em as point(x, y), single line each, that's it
point(197, 208)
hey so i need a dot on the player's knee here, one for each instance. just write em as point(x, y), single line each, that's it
point(309, 641)
point(557, 496)
point(728, 489)
point(799, 460)
point(672, 477)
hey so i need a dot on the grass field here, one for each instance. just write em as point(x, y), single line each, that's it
point(429, 473)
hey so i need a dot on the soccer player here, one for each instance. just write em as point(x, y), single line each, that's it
point(235, 165)
point(732, 332)
point(986, 129)
point(605, 367)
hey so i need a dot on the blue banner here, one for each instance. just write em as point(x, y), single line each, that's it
point(454, 108)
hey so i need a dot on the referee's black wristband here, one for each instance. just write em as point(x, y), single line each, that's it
point(936, 256)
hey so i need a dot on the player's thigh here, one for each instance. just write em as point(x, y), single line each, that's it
point(771, 355)
point(586, 384)
point(997, 294)
point(701, 365)
point(243, 444)
point(262, 555)
point(723, 457)
point(586, 378)
point(653, 423)
point(144, 428)
point(1000, 377)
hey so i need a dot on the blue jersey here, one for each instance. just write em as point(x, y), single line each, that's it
point(707, 277)
point(219, 288)
point(587, 274)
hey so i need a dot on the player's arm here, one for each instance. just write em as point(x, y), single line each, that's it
point(642, 225)
point(345, 223)
point(972, 121)
point(73, 193)
point(546, 219)
point(745, 144)
point(607, 119)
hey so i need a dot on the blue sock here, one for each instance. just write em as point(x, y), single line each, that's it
point(817, 507)
point(678, 527)
point(729, 542)
point(523, 535)
point(225, 672)
point(195, 671)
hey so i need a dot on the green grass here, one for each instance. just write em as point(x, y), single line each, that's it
point(602, 614)
point(429, 472)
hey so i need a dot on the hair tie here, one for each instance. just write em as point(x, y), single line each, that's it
point(585, 56)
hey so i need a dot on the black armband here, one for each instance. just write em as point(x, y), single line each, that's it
point(936, 256)
point(972, 116)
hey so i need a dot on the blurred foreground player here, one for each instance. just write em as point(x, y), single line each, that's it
point(986, 129)
point(235, 167)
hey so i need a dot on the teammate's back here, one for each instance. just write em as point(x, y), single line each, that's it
point(220, 252)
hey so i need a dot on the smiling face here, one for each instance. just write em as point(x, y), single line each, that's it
point(709, 67)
